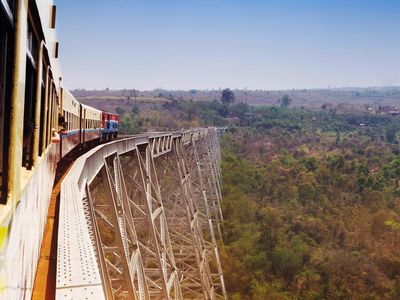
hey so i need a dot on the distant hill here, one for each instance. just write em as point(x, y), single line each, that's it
point(353, 99)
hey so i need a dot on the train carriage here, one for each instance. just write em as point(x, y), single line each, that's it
point(110, 125)
point(91, 121)
point(70, 136)
point(40, 122)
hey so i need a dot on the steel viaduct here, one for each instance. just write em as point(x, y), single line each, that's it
point(138, 218)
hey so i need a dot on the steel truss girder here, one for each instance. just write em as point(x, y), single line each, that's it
point(152, 208)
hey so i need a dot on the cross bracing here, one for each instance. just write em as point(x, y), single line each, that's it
point(140, 219)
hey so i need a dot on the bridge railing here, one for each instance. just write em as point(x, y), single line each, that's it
point(139, 219)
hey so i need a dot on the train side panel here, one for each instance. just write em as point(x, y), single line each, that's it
point(91, 124)
point(29, 107)
point(70, 138)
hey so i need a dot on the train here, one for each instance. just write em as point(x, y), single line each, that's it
point(34, 104)
point(80, 124)
point(40, 123)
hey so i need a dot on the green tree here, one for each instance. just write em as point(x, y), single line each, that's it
point(120, 110)
point(135, 109)
point(227, 97)
point(286, 101)
point(391, 135)
point(130, 94)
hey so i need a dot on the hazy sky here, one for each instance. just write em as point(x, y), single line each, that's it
point(205, 44)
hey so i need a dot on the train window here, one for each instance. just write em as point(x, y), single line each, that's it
point(42, 118)
point(6, 44)
point(30, 98)
point(3, 46)
point(42, 109)
point(32, 43)
point(53, 13)
point(29, 114)
point(48, 111)
point(55, 49)
point(7, 11)
point(11, 5)
point(56, 110)
point(53, 112)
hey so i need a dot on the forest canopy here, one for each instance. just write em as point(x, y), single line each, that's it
point(311, 198)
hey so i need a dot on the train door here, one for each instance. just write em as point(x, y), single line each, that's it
point(6, 50)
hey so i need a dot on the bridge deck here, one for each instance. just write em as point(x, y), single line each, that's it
point(170, 208)
point(46, 273)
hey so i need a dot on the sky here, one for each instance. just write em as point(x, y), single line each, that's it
point(212, 44)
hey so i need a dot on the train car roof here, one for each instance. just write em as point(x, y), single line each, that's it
point(109, 113)
point(87, 107)
point(70, 104)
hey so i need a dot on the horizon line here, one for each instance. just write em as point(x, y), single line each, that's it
point(243, 89)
